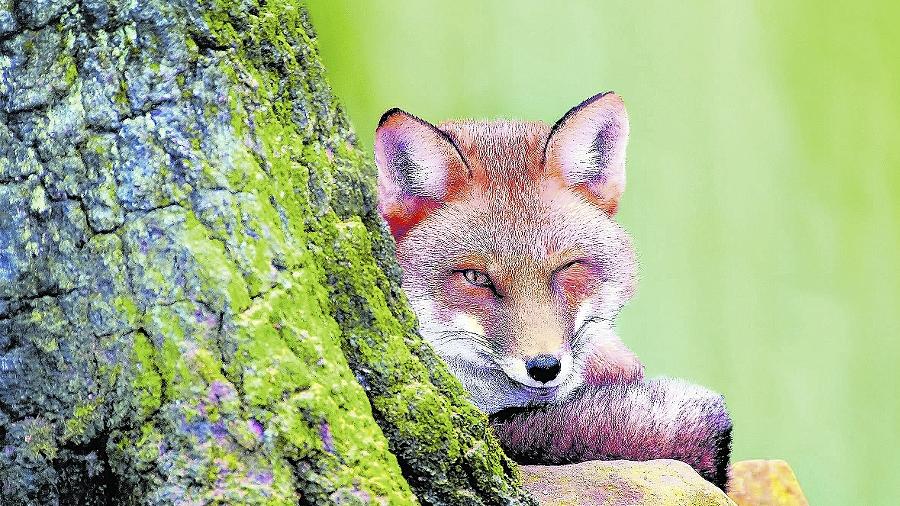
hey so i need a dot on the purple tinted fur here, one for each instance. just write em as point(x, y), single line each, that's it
point(656, 419)
point(603, 146)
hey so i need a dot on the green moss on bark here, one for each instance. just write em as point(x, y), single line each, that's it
point(198, 301)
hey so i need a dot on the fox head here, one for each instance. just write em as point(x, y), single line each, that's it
point(510, 255)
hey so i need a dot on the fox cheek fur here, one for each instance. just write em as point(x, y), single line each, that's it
point(530, 208)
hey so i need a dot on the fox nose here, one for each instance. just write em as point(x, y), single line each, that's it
point(543, 368)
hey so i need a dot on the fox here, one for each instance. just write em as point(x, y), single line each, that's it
point(516, 269)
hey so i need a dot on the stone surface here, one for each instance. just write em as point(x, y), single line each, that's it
point(621, 483)
point(765, 482)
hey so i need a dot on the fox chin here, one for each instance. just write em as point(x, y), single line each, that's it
point(511, 256)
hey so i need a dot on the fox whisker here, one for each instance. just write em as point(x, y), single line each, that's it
point(582, 331)
point(482, 346)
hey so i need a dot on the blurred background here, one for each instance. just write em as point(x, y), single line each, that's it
point(763, 188)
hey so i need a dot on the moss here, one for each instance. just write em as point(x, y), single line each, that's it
point(71, 74)
point(126, 307)
point(39, 204)
point(39, 440)
point(51, 319)
point(120, 98)
point(147, 446)
point(147, 381)
point(84, 415)
point(214, 269)
point(295, 377)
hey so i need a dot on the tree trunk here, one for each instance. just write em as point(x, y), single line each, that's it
point(198, 303)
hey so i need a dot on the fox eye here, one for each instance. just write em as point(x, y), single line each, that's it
point(478, 278)
point(567, 265)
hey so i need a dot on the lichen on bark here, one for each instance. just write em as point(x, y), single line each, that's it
point(198, 302)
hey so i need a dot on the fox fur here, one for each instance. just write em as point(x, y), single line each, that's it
point(512, 260)
point(661, 418)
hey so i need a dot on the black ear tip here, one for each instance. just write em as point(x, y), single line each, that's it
point(582, 105)
point(597, 97)
point(390, 112)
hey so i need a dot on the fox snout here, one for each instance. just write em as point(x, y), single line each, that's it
point(545, 370)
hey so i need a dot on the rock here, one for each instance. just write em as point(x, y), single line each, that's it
point(621, 482)
point(768, 482)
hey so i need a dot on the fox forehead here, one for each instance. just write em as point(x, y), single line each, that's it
point(508, 179)
point(500, 154)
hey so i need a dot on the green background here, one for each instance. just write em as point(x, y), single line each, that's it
point(763, 188)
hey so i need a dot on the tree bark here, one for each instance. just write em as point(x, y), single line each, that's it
point(198, 302)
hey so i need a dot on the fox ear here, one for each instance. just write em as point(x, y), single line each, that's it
point(418, 169)
point(586, 147)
